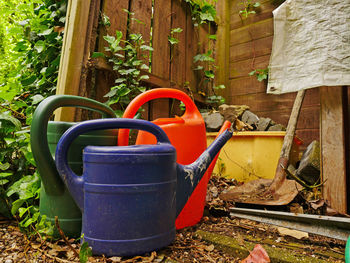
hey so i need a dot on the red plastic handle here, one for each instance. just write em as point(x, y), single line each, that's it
point(137, 102)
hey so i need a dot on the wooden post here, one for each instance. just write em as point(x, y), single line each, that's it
point(72, 54)
point(333, 161)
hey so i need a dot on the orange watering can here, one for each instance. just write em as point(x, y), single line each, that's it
point(187, 134)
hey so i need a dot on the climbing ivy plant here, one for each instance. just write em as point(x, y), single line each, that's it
point(31, 35)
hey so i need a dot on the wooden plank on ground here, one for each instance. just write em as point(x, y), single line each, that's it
point(333, 147)
point(72, 54)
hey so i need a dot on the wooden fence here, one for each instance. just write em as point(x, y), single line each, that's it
point(92, 78)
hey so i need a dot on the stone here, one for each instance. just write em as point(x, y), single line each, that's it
point(232, 112)
point(277, 127)
point(250, 118)
point(309, 167)
point(263, 124)
point(213, 121)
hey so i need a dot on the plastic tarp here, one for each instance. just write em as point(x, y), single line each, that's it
point(311, 45)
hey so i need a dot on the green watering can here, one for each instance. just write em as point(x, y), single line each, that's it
point(55, 199)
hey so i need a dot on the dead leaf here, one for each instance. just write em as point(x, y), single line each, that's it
point(240, 239)
point(115, 259)
point(258, 255)
point(210, 248)
point(293, 233)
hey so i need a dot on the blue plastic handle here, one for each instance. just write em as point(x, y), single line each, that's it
point(75, 182)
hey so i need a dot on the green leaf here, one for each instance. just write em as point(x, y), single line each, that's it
point(209, 74)
point(256, 4)
point(22, 211)
point(39, 46)
point(29, 81)
point(213, 37)
point(16, 205)
point(3, 175)
point(176, 30)
point(98, 55)
point(146, 48)
point(109, 39)
point(219, 87)
point(85, 252)
point(252, 73)
point(173, 40)
point(4, 166)
point(143, 77)
point(16, 123)
point(46, 32)
point(105, 20)
point(37, 98)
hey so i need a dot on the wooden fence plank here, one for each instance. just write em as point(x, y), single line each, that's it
point(161, 29)
point(244, 67)
point(161, 54)
point(333, 147)
point(262, 13)
point(256, 48)
point(251, 32)
point(118, 19)
point(142, 10)
point(222, 47)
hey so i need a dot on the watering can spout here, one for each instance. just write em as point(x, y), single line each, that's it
point(188, 176)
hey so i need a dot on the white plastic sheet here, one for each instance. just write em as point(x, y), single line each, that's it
point(311, 45)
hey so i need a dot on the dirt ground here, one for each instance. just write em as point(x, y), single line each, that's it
point(190, 244)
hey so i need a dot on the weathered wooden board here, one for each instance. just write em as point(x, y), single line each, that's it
point(242, 68)
point(256, 48)
point(72, 54)
point(251, 32)
point(222, 47)
point(333, 147)
point(262, 13)
point(140, 22)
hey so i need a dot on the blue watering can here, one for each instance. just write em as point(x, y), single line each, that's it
point(130, 196)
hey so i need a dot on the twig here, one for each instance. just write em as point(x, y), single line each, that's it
point(65, 238)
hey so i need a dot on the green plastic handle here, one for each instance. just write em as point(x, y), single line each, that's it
point(38, 135)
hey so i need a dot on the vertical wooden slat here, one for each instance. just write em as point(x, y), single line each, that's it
point(142, 10)
point(72, 54)
point(118, 18)
point(177, 68)
point(86, 79)
point(223, 45)
point(161, 29)
point(161, 53)
point(191, 51)
point(333, 147)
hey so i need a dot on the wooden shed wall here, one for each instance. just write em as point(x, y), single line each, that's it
point(250, 43)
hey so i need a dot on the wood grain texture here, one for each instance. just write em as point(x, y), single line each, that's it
point(161, 30)
point(75, 39)
point(262, 13)
point(251, 32)
point(142, 10)
point(333, 147)
point(242, 68)
point(256, 48)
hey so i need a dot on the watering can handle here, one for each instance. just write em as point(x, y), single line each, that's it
point(137, 102)
point(74, 182)
point(38, 138)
